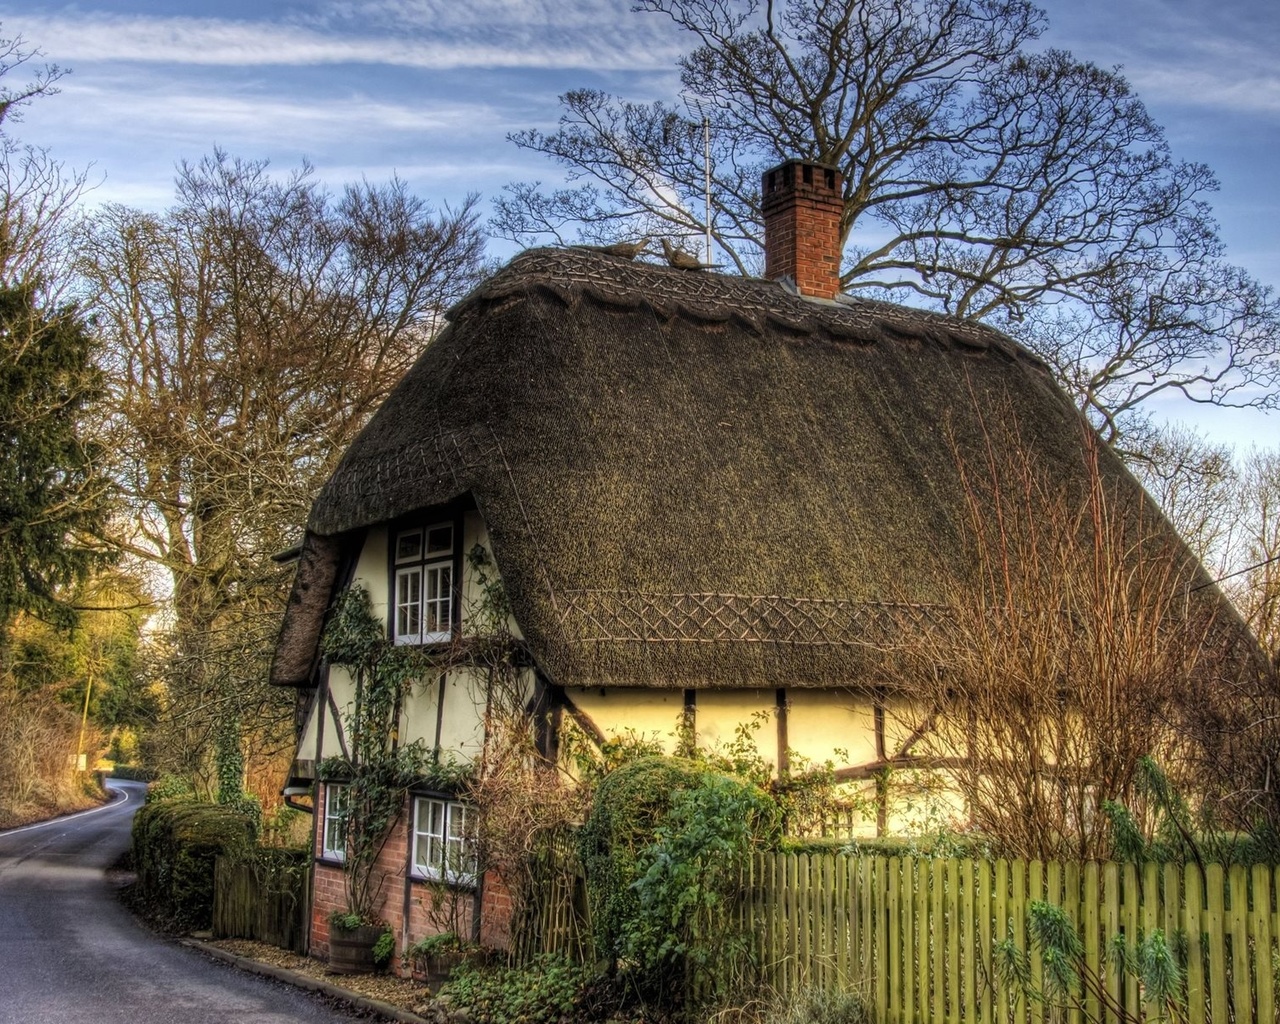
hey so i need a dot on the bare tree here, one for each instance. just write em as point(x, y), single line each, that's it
point(16, 55)
point(981, 177)
point(1259, 502)
point(1226, 506)
point(251, 330)
point(1240, 730)
point(1084, 643)
point(1195, 482)
point(37, 193)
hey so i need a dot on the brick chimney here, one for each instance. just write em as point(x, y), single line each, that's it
point(802, 206)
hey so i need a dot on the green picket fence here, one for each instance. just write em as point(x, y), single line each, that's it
point(916, 935)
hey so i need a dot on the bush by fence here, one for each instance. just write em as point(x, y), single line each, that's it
point(175, 844)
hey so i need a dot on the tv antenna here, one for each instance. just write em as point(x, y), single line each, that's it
point(695, 105)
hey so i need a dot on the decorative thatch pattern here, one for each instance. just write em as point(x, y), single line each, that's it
point(594, 616)
point(699, 480)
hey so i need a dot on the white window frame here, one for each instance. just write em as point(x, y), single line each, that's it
point(335, 819)
point(428, 587)
point(408, 603)
point(444, 850)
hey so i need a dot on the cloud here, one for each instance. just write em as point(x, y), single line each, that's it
point(1213, 55)
point(155, 104)
point(1237, 92)
point(439, 37)
point(444, 147)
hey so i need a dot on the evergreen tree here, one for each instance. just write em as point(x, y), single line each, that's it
point(53, 495)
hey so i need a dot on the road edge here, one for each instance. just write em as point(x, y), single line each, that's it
point(112, 798)
point(304, 982)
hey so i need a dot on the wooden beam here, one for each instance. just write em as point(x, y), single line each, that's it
point(784, 747)
point(873, 768)
point(584, 722)
point(337, 724)
point(916, 735)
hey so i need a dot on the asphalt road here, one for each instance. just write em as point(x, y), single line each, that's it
point(70, 953)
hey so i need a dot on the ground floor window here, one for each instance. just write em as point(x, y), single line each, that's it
point(444, 846)
point(334, 841)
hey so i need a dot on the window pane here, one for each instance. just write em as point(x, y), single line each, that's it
point(408, 604)
point(335, 806)
point(422, 853)
point(435, 845)
point(439, 600)
point(409, 546)
point(428, 850)
point(439, 540)
point(437, 581)
point(461, 849)
point(443, 846)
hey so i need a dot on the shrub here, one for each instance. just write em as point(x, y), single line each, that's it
point(175, 844)
point(345, 920)
point(628, 805)
point(663, 851)
point(132, 773)
point(171, 787)
point(548, 988)
point(435, 945)
point(384, 949)
point(684, 934)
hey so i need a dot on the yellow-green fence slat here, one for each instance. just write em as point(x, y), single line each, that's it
point(1216, 928)
point(1193, 925)
point(986, 992)
point(1260, 929)
point(1238, 923)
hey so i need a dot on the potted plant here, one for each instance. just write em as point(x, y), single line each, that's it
point(356, 947)
point(433, 959)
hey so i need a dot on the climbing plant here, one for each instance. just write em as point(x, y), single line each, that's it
point(376, 771)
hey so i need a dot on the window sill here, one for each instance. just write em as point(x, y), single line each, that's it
point(459, 882)
point(434, 640)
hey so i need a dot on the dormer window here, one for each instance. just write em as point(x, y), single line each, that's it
point(423, 590)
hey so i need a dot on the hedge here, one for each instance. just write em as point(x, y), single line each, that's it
point(175, 844)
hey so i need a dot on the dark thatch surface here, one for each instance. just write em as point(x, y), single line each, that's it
point(699, 480)
point(297, 650)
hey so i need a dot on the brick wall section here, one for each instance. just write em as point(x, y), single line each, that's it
point(329, 894)
point(495, 913)
point(803, 203)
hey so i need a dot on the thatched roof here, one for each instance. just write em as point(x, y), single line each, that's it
point(698, 480)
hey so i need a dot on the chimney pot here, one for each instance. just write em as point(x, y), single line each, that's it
point(803, 203)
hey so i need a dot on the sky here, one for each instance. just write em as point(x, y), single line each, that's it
point(430, 89)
